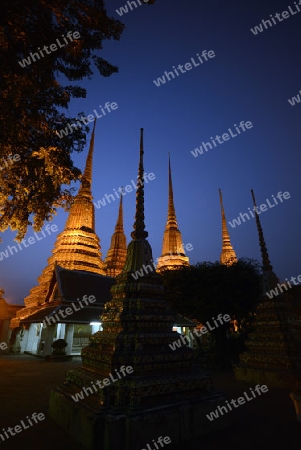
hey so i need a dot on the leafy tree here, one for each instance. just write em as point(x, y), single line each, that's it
point(35, 96)
point(207, 289)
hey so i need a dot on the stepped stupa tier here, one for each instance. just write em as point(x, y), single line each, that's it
point(77, 247)
point(137, 331)
point(116, 256)
point(273, 355)
point(228, 255)
point(173, 254)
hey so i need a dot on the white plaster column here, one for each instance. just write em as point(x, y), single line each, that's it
point(48, 340)
point(69, 331)
point(31, 344)
point(24, 341)
point(61, 330)
point(41, 341)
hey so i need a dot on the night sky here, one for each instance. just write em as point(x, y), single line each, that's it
point(250, 78)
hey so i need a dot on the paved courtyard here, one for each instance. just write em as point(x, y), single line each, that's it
point(266, 422)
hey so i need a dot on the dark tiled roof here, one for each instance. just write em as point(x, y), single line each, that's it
point(39, 316)
point(182, 321)
point(74, 284)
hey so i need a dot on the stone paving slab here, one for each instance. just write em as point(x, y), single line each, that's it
point(266, 422)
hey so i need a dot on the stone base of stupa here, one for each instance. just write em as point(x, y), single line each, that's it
point(284, 379)
point(106, 429)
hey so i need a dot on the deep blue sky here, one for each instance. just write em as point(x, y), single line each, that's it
point(251, 78)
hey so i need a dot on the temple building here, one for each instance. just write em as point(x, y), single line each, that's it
point(228, 255)
point(173, 253)
point(75, 262)
point(273, 355)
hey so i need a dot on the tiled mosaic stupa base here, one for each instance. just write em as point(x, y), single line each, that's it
point(273, 355)
point(181, 422)
point(274, 347)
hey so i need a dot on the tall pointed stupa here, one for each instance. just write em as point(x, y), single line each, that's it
point(270, 279)
point(116, 256)
point(160, 389)
point(228, 255)
point(77, 247)
point(273, 355)
point(173, 253)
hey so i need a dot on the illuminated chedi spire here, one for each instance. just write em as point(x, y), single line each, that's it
point(116, 256)
point(228, 255)
point(173, 254)
point(77, 247)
